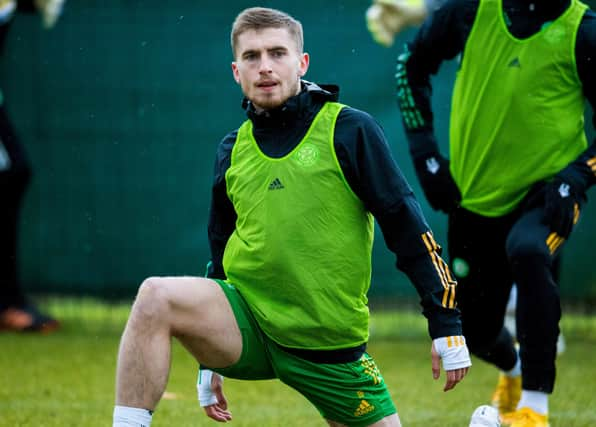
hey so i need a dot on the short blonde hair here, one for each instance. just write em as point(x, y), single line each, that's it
point(259, 18)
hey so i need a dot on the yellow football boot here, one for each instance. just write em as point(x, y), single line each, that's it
point(524, 417)
point(507, 394)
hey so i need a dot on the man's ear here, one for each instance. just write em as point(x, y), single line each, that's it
point(235, 72)
point(304, 62)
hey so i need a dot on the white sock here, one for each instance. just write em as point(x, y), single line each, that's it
point(535, 400)
point(516, 370)
point(125, 416)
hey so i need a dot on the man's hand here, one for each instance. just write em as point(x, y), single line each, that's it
point(211, 397)
point(561, 206)
point(386, 18)
point(50, 11)
point(7, 9)
point(437, 183)
point(456, 359)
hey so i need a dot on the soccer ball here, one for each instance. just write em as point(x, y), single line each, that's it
point(485, 416)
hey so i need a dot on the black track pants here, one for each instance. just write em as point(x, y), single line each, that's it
point(489, 254)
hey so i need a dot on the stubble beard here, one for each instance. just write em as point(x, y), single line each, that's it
point(272, 102)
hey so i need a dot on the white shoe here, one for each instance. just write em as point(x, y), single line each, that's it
point(485, 416)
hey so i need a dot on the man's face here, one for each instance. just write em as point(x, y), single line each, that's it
point(268, 66)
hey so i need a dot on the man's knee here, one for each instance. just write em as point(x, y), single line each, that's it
point(152, 301)
point(527, 251)
point(530, 261)
point(181, 303)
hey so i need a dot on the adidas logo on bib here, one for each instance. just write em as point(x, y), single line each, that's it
point(515, 63)
point(276, 185)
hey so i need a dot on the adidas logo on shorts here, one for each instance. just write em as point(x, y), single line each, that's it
point(364, 408)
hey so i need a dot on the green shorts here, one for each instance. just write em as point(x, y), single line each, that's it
point(351, 393)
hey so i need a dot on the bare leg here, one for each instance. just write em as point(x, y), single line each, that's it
point(388, 421)
point(194, 310)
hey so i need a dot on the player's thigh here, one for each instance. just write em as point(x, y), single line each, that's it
point(352, 394)
point(198, 313)
point(530, 237)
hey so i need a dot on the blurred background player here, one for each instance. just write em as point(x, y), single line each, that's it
point(387, 18)
point(16, 312)
point(513, 199)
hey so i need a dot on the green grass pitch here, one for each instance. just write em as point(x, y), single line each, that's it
point(67, 378)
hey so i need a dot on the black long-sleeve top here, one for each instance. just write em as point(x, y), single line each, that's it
point(443, 36)
point(366, 161)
